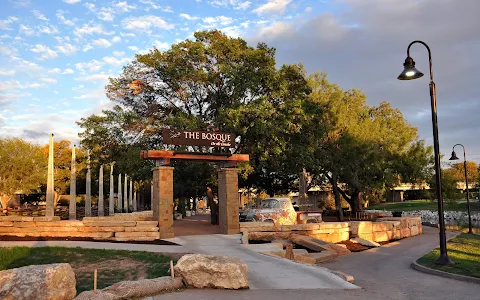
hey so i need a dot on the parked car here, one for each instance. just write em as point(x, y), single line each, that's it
point(278, 211)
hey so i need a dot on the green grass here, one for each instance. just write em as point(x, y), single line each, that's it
point(425, 205)
point(464, 250)
point(112, 265)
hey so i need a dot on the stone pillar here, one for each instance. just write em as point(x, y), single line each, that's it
point(101, 209)
point(88, 197)
point(228, 200)
point(119, 200)
point(125, 193)
point(111, 206)
point(130, 195)
point(50, 210)
point(163, 200)
point(72, 206)
point(135, 200)
point(151, 195)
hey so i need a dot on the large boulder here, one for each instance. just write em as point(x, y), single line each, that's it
point(37, 282)
point(134, 289)
point(208, 271)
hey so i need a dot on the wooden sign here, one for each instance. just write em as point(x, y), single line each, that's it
point(198, 138)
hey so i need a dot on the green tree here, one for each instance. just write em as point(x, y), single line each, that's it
point(23, 168)
point(459, 171)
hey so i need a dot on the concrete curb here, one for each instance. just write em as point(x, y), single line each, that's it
point(427, 270)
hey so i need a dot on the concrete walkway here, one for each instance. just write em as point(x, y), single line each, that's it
point(265, 272)
point(383, 273)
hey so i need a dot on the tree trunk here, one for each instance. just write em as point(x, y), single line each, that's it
point(4, 200)
point(355, 202)
point(336, 194)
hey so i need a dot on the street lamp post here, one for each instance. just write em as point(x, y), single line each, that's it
point(454, 157)
point(410, 72)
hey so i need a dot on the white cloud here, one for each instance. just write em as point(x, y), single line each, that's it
point(145, 23)
point(161, 45)
point(133, 48)
point(48, 80)
point(118, 53)
point(95, 77)
point(243, 5)
point(22, 117)
point(66, 48)
point(5, 24)
point(86, 29)
point(106, 14)
point(236, 4)
point(124, 7)
point(26, 30)
point(91, 66)
point(54, 71)
point(7, 72)
point(110, 60)
point(12, 85)
point(64, 20)
point(71, 1)
point(272, 7)
point(7, 50)
point(214, 21)
point(87, 47)
point(47, 53)
point(129, 34)
point(49, 29)
point(308, 9)
point(188, 17)
point(102, 43)
point(68, 71)
point(39, 15)
point(116, 39)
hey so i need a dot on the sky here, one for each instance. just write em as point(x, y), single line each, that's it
point(56, 56)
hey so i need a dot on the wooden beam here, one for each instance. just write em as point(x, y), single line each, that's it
point(162, 154)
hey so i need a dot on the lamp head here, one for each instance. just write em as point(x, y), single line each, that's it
point(409, 71)
point(454, 156)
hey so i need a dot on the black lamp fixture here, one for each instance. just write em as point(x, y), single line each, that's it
point(410, 72)
point(454, 157)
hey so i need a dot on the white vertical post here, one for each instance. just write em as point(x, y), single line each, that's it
point(72, 206)
point(111, 206)
point(119, 192)
point(50, 201)
point(88, 197)
point(125, 194)
point(101, 207)
point(135, 200)
point(130, 195)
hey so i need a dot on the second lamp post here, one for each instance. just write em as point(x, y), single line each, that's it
point(454, 157)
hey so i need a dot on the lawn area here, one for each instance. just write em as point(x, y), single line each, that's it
point(425, 205)
point(464, 250)
point(112, 265)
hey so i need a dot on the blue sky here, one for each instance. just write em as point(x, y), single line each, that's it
point(56, 56)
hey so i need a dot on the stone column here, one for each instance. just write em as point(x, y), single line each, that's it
point(72, 206)
point(101, 207)
point(88, 197)
point(125, 194)
point(50, 210)
point(130, 195)
point(151, 195)
point(135, 200)
point(228, 200)
point(163, 200)
point(119, 200)
point(111, 206)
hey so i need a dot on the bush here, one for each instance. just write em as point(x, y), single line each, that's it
point(63, 202)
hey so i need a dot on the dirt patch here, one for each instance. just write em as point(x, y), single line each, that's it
point(354, 247)
point(82, 239)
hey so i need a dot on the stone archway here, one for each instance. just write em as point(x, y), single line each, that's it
point(162, 202)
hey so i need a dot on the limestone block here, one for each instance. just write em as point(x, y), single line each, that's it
point(46, 219)
point(6, 224)
point(333, 225)
point(395, 224)
point(360, 227)
point(208, 271)
point(382, 236)
point(147, 223)
point(332, 237)
point(16, 219)
point(381, 226)
point(63, 224)
point(138, 238)
point(347, 277)
point(299, 227)
point(414, 230)
point(317, 245)
point(38, 282)
point(366, 236)
point(138, 289)
point(396, 234)
point(244, 238)
point(254, 224)
point(101, 229)
point(268, 236)
point(140, 229)
point(36, 229)
point(110, 223)
point(269, 228)
point(24, 224)
point(405, 233)
point(136, 234)
point(365, 242)
point(315, 258)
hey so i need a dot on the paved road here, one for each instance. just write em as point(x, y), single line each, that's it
point(265, 272)
point(383, 273)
